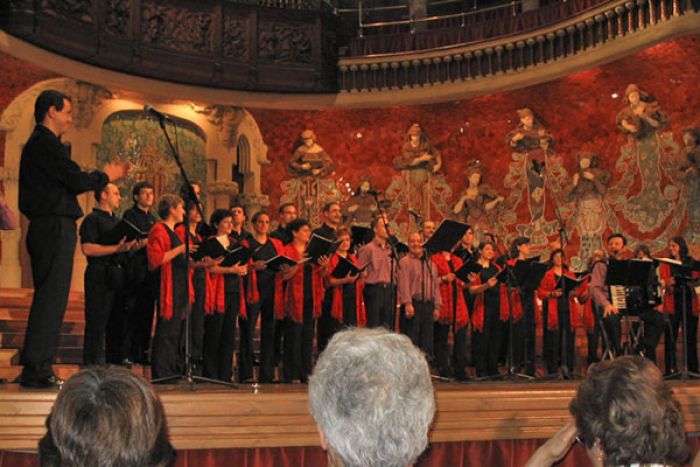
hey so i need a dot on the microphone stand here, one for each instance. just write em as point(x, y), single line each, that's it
point(187, 377)
point(683, 280)
point(565, 372)
point(394, 259)
point(511, 372)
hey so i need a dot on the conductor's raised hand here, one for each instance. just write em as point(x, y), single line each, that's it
point(116, 169)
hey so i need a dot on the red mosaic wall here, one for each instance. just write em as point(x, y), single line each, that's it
point(579, 110)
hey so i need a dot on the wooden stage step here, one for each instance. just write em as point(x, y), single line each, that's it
point(212, 417)
point(14, 313)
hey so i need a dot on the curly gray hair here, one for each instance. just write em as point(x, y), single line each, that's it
point(372, 397)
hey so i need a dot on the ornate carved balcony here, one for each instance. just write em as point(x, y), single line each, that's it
point(229, 49)
point(286, 45)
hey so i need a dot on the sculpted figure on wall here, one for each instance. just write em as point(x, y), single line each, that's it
point(309, 189)
point(641, 116)
point(533, 176)
point(689, 173)
point(421, 187)
point(587, 191)
point(309, 158)
point(360, 208)
point(643, 194)
point(527, 134)
point(478, 201)
point(417, 153)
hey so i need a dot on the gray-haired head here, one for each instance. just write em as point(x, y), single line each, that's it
point(372, 397)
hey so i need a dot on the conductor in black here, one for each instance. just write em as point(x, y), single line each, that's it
point(49, 182)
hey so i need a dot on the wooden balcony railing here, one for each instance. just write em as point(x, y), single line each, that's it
point(592, 29)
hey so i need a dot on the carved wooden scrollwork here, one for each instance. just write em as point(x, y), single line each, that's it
point(117, 16)
point(284, 43)
point(235, 38)
point(178, 29)
point(71, 9)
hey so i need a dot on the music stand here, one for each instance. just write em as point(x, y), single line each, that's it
point(517, 276)
point(529, 276)
point(685, 277)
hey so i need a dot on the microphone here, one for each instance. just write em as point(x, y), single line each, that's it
point(418, 218)
point(148, 108)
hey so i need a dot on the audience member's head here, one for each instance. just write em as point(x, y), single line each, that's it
point(626, 414)
point(106, 417)
point(372, 398)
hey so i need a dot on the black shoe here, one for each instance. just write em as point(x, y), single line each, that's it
point(51, 382)
point(126, 363)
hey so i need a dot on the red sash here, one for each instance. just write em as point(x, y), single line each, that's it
point(337, 305)
point(450, 310)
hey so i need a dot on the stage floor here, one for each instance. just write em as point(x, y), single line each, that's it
point(213, 417)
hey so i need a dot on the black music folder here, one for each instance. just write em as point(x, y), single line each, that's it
point(401, 248)
point(361, 235)
point(469, 267)
point(211, 247)
point(533, 275)
point(629, 272)
point(124, 229)
point(276, 263)
point(446, 237)
point(568, 284)
point(320, 246)
point(345, 268)
point(238, 255)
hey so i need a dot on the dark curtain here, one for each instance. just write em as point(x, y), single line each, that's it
point(503, 453)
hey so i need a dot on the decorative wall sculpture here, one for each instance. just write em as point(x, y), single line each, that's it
point(309, 188)
point(576, 168)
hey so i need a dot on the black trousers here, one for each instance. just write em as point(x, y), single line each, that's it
point(197, 317)
point(525, 354)
point(447, 366)
point(654, 326)
point(264, 309)
point(298, 347)
point(486, 343)
point(420, 327)
point(378, 303)
point(327, 325)
point(51, 245)
point(169, 345)
point(613, 329)
point(140, 301)
point(104, 324)
point(219, 340)
point(562, 337)
point(671, 339)
point(595, 336)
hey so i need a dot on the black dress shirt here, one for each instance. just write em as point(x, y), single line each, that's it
point(94, 229)
point(49, 180)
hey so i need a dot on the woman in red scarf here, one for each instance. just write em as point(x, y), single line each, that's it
point(302, 304)
point(263, 297)
point(453, 314)
point(224, 303)
point(486, 318)
point(199, 275)
point(558, 318)
point(165, 251)
point(343, 304)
